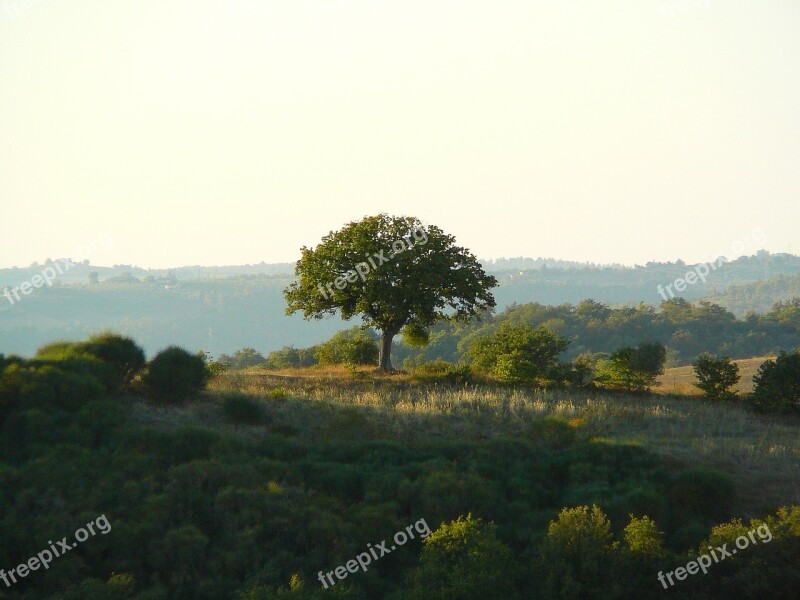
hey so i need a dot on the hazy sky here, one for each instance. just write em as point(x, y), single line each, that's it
point(235, 131)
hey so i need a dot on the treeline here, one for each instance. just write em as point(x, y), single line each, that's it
point(687, 330)
point(204, 512)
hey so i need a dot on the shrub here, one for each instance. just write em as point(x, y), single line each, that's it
point(704, 493)
point(242, 359)
point(464, 560)
point(777, 384)
point(715, 376)
point(517, 353)
point(117, 359)
point(633, 368)
point(441, 370)
point(290, 357)
point(353, 346)
point(242, 410)
point(642, 536)
point(175, 374)
point(121, 352)
point(575, 555)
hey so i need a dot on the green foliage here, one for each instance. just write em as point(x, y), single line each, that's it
point(242, 359)
point(290, 357)
point(202, 511)
point(642, 536)
point(703, 493)
point(575, 554)
point(175, 375)
point(716, 376)
point(243, 410)
point(517, 353)
point(421, 277)
point(777, 384)
point(351, 347)
point(122, 359)
point(464, 560)
point(443, 371)
point(634, 369)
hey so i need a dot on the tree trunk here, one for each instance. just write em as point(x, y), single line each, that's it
point(386, 350)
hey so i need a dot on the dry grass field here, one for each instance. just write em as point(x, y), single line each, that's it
point(680, 380)
point(761, 453)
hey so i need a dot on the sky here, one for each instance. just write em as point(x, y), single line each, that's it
point(163, 133)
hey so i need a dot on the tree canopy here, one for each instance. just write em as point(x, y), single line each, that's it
point(395, 273)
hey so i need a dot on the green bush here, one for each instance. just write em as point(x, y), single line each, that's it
point(517, 353)
point(351, 347)
point(703, 493)
point(175, 375)
point(242, 359)
point(290, 357)
point(575, 555)
point(716, 376)
point(464, 560)
point(242, 410)
point(777, 384)
point(441, 370)
point(633, 368)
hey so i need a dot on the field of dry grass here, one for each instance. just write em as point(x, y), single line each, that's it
point(680, 380)
point(761, 453)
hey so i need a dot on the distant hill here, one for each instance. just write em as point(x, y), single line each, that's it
point(759, 296)
point(222, 309)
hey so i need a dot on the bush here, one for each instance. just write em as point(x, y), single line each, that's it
point(575, 555)
point(704, 493)
point(118, 358)
point(290, 357)
point(351, 347)
point(242, 359)
point(715, 376)
point(517, 353)
point(633, 368)
point(777, 384)
point(441, 370)
point(242, 410)
point(175, 375)
point(464, 560)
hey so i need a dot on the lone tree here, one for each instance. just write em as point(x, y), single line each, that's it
point(395, 273)
point(716, 376)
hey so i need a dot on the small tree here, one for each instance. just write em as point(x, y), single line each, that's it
point(464, 560)
point(394, 272)
point(716, 376)
point(517, 353)
point(575, 555)
point(634, 369)
point(643, 537)
point(777, 383)
point(242, 359)
point(290, 357)
point(175, 375)
point(350, 347)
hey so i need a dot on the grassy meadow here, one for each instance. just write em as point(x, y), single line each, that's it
point(760, 453)
point(681, 380)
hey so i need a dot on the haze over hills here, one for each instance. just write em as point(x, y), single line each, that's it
point(223, 308)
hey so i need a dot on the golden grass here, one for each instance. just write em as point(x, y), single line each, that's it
point(761, 453)
point(681, 380)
